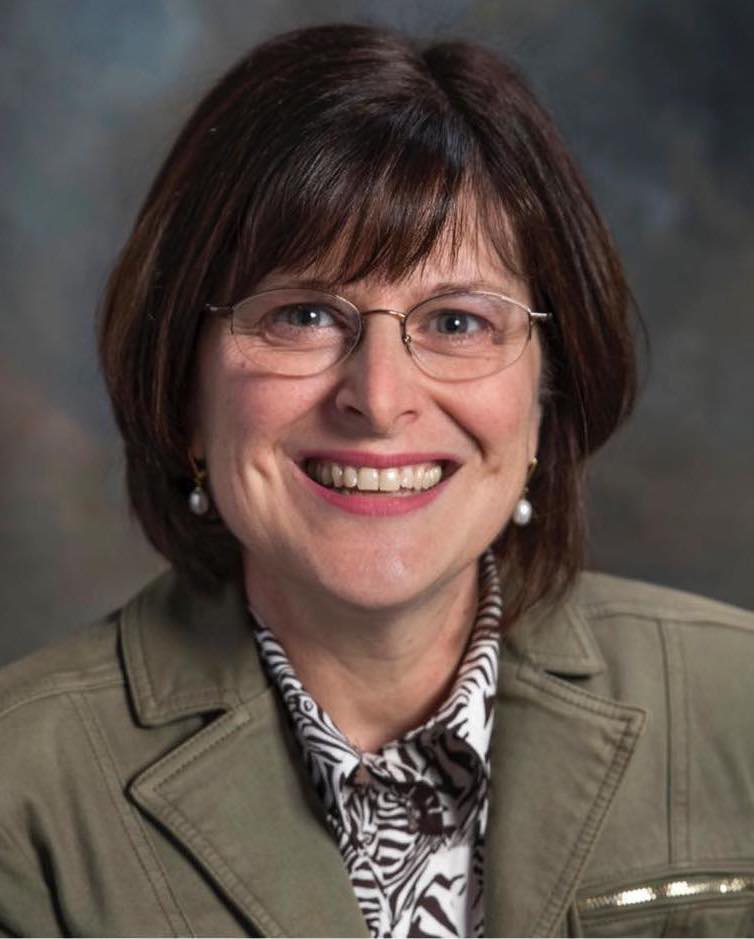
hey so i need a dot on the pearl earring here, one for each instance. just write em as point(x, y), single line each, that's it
point(198, 499)
point(522, 513)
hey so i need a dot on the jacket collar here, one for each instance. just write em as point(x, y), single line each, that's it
point(236, 798)
point(557, 638)
point(188, 652)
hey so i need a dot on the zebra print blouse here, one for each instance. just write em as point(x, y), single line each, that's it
point(410, 819)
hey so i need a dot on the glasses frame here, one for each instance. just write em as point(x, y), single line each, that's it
point(228, 312)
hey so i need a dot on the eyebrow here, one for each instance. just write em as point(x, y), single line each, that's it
point(432, 290)
point(450, 287)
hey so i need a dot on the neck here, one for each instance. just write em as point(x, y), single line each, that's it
point(377, 673)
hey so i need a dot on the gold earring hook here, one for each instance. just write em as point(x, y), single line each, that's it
point(199, 474)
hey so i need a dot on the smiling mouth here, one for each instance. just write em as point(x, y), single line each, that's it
point(393, 480)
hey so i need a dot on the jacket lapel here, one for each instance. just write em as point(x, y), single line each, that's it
point(235, 799)
point(558, 757)
point(234, 795)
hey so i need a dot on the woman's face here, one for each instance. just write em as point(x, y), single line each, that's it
point(375, 409)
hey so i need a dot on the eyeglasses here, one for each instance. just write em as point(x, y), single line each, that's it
point(452, 337)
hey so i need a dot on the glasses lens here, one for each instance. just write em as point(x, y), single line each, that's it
point(467, 335)
point(294, 332)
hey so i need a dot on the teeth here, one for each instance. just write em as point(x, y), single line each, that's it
point(390, 480)
point(369, 479)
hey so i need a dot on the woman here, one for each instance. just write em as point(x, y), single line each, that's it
point(364, 336)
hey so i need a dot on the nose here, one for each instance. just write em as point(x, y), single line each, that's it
point(379, 385)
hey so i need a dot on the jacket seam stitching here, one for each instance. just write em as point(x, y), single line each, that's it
point(235, 887)
point(239, 722)
point(686, 741)
point(678, 740)
point(572, 695)
point(685, 618)
point(130, 628)
point(63, 690)
point(219, 694)
point(668, 740)
point(223, 696)
point(110, 777)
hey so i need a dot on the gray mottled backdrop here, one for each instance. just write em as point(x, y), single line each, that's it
point(654, 98)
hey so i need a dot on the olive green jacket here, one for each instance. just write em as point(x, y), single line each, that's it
point(150, 785)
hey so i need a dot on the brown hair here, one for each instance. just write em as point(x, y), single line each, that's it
point(354, 129)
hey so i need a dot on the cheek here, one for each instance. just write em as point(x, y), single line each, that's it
point(245, 413)
point(504, 421)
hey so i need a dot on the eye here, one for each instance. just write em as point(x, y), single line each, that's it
point(304, 316)
point(304, 324)
point(457, 323)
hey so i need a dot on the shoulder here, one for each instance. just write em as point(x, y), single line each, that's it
point(48, 738)
point(90, 658)
point(44, 700)
point(604, 597)
point(63, 706)
point(642, 629)
point(653, 644)
point(124, 687)
point(616, 632)
point(86, 659)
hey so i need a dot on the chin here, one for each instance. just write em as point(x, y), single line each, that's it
point(382, 590)
point(374, 578)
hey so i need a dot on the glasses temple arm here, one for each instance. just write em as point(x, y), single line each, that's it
point(222, 310)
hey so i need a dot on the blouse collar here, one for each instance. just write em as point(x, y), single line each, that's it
point(459, 731)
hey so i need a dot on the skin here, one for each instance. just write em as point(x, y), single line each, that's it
point(373, 612)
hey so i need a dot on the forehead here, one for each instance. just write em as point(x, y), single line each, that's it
point(464, 258)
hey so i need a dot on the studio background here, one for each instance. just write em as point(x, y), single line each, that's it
point(653, 99)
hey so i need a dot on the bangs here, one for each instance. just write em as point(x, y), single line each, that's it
point(374, 199)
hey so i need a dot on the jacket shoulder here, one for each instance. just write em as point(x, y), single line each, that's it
point(46, 744)
point(88, 657)
point(616, 625)
point(603, 596)
point(642, 629)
